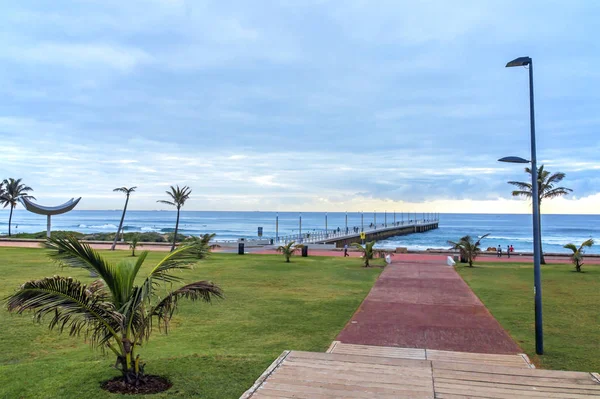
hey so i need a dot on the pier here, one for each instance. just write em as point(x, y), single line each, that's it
point(347, 236)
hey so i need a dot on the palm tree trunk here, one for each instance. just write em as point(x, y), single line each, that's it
point(176, 228)
point(120, 225)
point(10, 218)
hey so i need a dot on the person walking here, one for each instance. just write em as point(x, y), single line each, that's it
point(508, 251)
point(346, 250)
point(499, 251)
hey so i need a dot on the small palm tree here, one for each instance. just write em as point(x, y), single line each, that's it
point(127, 192)
point(133, 244)
point(468, 248)
point(13, 191)
point(112, 312)
point(289, 249)
point(367, 251)
point(577, 257)
point(178, 198)
point(202, 245)
point(546, 190)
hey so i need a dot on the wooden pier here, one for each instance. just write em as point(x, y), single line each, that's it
point(355, 235)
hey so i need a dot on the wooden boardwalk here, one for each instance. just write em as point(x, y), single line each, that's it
point(360, 371)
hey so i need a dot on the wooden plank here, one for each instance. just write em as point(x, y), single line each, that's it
point(341, 367)
point(443, 365)
point(353, 376)
point(515, 380)
point(355, 386)
point(345, 392)
point(248, 394)
point(528, 361)
point(381, 351)
point(547, 387)
point(332, 346)
point(359, 359)
point(479, 358)
point(503, 392)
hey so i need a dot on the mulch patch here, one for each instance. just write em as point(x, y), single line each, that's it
point(151, 384)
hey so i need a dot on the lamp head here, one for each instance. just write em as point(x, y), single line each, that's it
point(513, 160)
point(521, 61)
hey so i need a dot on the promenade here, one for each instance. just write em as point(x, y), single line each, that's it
point(426, 304)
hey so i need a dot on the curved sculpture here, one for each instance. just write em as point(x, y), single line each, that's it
point(49, 210)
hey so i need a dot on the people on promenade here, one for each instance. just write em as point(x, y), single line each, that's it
point(499, 251)
point(346, 250)
point(511, 248)
point(508, 251)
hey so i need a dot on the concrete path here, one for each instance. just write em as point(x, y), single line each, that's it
point(426, 304)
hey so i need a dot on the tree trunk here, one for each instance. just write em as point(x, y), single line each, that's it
point(176, 228)
point(120, 225)
point(10, 218)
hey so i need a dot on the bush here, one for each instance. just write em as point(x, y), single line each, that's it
point(42, 234)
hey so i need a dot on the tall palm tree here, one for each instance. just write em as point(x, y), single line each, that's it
point(178, 198)
point(546, 190)
point(127, 192)
point(112, 312)
point(367, 251)
point(577, 256)
point(13, 191)
point(468, 248)
point(289, 249)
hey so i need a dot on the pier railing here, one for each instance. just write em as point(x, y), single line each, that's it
point(313, 237)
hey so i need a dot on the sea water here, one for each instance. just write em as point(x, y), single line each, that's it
point(504, 229)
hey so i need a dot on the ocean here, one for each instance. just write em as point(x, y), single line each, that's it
point(504, 229)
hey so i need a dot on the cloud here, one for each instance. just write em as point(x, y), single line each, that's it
point(296, 105)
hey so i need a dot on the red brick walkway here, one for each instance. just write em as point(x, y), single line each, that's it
point(426, 304)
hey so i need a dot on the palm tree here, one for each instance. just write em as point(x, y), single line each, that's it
point(13, 191)
point(133, 244)
point(178, 198)
point(577, 256)
point(468, 249)
point(202, 245)
point(127, 192)
point(289, 249)
point(112, 312)
point(367, 251)
point(546, 190)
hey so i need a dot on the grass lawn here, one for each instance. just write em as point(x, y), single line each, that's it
point(571, 311)
point(212, 351)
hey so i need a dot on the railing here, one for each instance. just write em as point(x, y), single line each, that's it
point(312, 237)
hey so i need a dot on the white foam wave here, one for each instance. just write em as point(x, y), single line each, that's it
point(104, 226)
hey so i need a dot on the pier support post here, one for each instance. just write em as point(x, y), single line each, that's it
point(48, 226)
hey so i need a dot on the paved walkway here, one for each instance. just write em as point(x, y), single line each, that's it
point(426, 304)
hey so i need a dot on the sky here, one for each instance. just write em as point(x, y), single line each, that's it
point(299, 105)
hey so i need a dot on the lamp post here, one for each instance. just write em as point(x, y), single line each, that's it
point(537, 278)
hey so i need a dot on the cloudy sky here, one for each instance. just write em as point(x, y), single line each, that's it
point(298, 105)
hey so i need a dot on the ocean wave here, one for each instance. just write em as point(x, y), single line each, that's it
point(104, 226)
point(149, 229)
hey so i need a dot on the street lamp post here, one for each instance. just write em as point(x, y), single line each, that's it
point(537, 278)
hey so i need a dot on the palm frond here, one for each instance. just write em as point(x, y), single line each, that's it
point(556, 192)
point(521, 185)
point(201, 290)
point(68, 251)
point(166, 202)
point(572, 247)
point(518, 193)
point(587, 243)
point(182, 258)
point(556, 178)
point(71, 305)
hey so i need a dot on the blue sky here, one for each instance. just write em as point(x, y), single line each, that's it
point(298, 105)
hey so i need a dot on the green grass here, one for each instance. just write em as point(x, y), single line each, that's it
point(571, 316)
point(212, 351)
